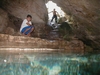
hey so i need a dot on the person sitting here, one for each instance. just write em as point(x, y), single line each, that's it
point(26, 27)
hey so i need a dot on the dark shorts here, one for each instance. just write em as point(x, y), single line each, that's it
point(54, 17)
point(29, 29)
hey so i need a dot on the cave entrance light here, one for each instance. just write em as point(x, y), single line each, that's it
point(50, 6)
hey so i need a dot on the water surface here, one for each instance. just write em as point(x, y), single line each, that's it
point(49, 64)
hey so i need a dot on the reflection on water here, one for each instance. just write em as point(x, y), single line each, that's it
point(49, 64)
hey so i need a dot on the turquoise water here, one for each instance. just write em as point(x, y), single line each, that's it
point(49, 64)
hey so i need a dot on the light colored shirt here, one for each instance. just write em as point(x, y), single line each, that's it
point(24, 24)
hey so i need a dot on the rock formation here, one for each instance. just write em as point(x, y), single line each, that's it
point(18, 10)
point(3, 20)
point(86, 15)
point(21, 42)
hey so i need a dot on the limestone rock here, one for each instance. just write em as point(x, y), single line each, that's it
point(74, 46)
point(86, 15)
point(20, 9)
point(3, 20)
point(10, 31)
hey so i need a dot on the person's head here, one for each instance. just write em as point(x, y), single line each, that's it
point(54, 9)
point(29, 17)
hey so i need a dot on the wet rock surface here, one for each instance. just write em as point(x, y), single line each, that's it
point(8, 41)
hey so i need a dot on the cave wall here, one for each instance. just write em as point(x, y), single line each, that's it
point(85, 12)
point(17, 10)
point(86, 15)
point(20, 9)
point(3, 20)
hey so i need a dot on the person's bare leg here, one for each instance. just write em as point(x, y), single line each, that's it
point(25, 31)
point(32, 29)
point(29, 34)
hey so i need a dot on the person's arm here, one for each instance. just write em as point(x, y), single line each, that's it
point(28, 23)
point(50, 12)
